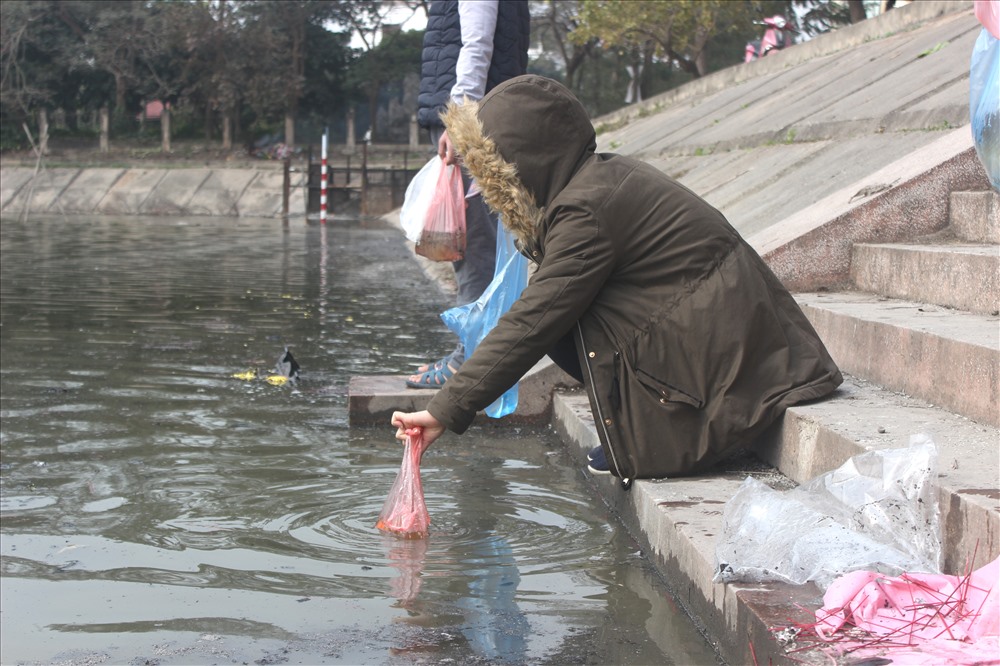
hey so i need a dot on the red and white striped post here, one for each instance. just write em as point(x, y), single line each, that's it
point(322, 182)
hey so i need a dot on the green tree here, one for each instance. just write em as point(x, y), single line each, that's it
point(29, 68)
point(115, 35)
point(552, 23)
point(209, 50)
point(327, 90)
point(679, 30)
point(279, 33)
point(396, 55)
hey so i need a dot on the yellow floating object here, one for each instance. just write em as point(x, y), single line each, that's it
point(247, 376)
point(277, 380)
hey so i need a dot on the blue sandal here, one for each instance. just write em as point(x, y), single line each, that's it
point(436, 365)
point(433, 378)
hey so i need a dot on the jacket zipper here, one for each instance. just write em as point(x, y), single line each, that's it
point(626, 483)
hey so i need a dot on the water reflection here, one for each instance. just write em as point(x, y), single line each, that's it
point(150, 495)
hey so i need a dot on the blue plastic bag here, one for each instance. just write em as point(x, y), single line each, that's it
point(472, 321)
point(984, 100)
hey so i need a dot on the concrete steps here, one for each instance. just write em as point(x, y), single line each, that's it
point(818, 437)
point(921, 321)
point(945, 357)
point(961, 276)
point(924, 317)
point(975, 216)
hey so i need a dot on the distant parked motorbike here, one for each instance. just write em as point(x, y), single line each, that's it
point(777, 35)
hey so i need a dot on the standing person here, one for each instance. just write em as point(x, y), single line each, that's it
point(687, 344)
point(470, 46)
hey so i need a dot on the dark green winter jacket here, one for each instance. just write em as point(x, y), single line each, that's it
point(689, 345)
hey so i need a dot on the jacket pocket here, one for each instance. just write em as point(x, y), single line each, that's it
point(667, 391)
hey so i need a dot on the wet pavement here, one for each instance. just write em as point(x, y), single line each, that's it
point(156, 509)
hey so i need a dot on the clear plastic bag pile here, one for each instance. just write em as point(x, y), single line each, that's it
point(877, 512)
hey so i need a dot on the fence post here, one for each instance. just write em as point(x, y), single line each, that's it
point(286, 188)
point(322, 180)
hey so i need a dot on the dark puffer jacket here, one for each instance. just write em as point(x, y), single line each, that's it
point(689, 346)
point(443, 41)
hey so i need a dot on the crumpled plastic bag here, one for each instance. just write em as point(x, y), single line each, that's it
point(914, 619)
point(924, 606)
point(878, 512)
point(984, 103)
point(472, 321)
point(404, 513)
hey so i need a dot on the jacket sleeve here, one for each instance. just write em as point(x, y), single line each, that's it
point(478, 20)
point(579, 258)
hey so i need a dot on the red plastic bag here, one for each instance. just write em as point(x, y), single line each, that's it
point(443, 235)
point(404, 513)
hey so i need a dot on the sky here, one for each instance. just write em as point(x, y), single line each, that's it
point(410, 19)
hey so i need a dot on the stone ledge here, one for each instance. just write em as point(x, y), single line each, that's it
point(676, 522)
point(372, 400)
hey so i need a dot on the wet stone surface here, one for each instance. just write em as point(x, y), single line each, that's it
point(158, 510)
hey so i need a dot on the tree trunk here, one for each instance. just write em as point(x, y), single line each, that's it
point(227, 130)
point(351, 139)
point(372, 113)
point(105, 126)
point(857, 8)
point(414, 132)
point(165, 129)
point(119, 95)
point(208, 122)
point(289, 129)
point(700, 60)
point(43, 131)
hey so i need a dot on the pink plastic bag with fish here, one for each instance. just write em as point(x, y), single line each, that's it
point(404, 513)
point(443, 235)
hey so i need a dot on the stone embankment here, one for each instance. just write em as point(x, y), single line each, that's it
point(229, 192)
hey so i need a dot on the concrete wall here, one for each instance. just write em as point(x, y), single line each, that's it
point(238, 192)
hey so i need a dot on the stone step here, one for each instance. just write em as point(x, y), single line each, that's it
point(975, 216)
point(372, 399)
point(944, 357)
point(815, 438)
point(962, 276)
point(678, 521)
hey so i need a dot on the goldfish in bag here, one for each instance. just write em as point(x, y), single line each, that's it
point(404, 513)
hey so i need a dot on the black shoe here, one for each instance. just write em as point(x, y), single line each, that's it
point(597, 461)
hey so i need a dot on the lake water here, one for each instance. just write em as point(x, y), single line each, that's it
point(158, 510)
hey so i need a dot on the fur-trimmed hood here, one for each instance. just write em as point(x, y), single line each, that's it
point(522, 143)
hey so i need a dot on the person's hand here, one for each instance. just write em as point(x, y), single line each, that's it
point(446, 150)
point(405, 420)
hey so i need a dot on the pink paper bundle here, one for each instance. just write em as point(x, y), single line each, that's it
point(405, 512)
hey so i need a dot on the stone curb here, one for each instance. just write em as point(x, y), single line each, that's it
point(676, 522)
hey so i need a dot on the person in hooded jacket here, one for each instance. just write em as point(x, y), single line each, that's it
point(687, 344)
